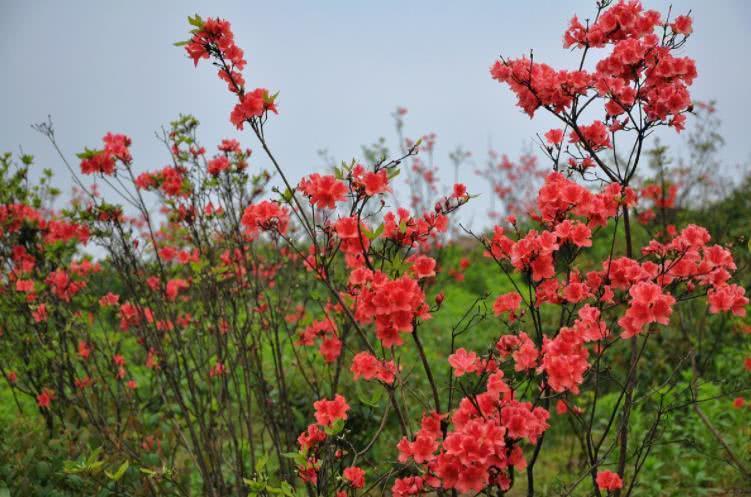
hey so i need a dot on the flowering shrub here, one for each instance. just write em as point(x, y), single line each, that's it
point(258, 336)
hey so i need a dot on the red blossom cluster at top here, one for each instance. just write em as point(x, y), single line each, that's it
point(214, 38)
point(640, 69)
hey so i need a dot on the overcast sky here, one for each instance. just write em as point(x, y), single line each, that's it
point(341, 68)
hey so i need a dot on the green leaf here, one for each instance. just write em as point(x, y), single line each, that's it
point(369, 400)
point(298, 457)
point(335, 428)
point(119, 473)
point(287, 489)
point(87, 153)
point(195, 21)
point(181, 43)
point(94, 456)
point(287, 195)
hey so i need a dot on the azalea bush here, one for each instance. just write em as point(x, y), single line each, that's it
point(217, 328)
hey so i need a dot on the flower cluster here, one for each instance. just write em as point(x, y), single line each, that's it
point(323, 191)
point(366, 365)
point(170, 181)
point(104, 161)
point(393, 304)
point(266, 216)
point(215, 37)
point(480, 447)
point(253, 104)
point(640, 70)
point(325, 332)
point(328, 413)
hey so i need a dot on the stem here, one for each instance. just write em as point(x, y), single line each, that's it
point(426, 367)
point(630, 381)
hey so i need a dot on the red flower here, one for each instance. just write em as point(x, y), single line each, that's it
point(229, 146)
point(174, 287)
point(331, 348)
point(323, 191)
point(608, 480)
point(311, 437)
point(554, 136)
point(217, 165)
point(393, 304)
point(330, 411)
point(103, 161)
point(366, 365)
point(265, 215)
point(110, 299)
point(84, 350)
point(463, 362)
point(595, 136)
point(375, 183)
point(253, 104)
point(217, 33)
point(565, 360)
point(422, 266)
point(355, 476)
point(508, 303)
point(682, 25)
point(728, 298)
point(45, 397)
point(648, 305)
point(26, 286)
point(460, 191)
point(408, 486)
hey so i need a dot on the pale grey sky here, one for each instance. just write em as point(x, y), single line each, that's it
point(341, 67)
